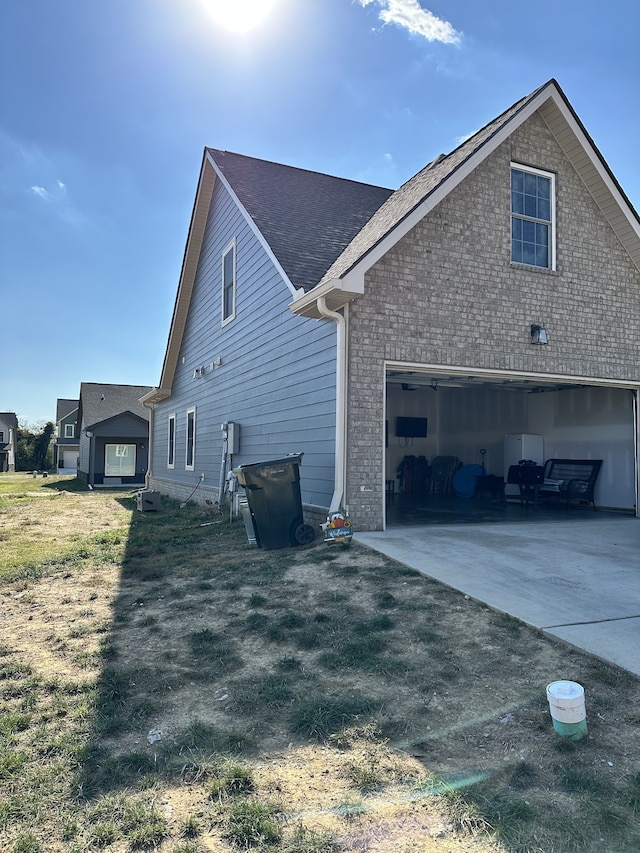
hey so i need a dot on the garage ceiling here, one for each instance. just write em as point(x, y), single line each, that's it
point(415, 379)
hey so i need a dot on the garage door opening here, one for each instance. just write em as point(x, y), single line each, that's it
point(450, 440)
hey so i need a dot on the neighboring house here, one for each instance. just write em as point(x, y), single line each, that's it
point(8, 441)
point(497, 292)
point(66, 448)
point(114, 434)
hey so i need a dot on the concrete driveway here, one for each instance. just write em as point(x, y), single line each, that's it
point(576, 579)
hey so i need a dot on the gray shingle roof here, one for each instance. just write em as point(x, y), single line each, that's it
point(306, 217)
point(64, 407)
point(10, 419)
point(100, 401)
point(411, 194)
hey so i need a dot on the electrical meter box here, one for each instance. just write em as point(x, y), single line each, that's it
point(232, 433)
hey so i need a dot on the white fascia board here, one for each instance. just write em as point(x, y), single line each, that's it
point(487, 148)
point(596, 160)
point(295, 291)
point(464, 372)
point(156, 395)
point(306, 304)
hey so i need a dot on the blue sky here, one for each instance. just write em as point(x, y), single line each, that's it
point(105, 109)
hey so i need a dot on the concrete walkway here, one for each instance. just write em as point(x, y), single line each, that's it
point(577, 579)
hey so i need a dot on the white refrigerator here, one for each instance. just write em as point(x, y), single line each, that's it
point(520, 446)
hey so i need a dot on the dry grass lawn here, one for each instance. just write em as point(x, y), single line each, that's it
point(164, 685)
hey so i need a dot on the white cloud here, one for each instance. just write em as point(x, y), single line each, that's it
point(61, 186)
point(410, 15)
point(40, 191)
point(460, 139)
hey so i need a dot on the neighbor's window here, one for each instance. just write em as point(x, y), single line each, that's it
point(229, 282)
point(532, 217)
point(171, 443)
point(1, 435)
point(69, 430)
point(119, 460)
point(191, 440)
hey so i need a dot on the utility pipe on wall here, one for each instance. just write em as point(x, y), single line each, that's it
point(341, 408)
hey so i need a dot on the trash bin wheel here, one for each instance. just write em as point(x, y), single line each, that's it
point(304, 534)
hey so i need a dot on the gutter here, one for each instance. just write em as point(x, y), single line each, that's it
point(341, 407)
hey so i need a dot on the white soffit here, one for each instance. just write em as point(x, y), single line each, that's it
point(589, 164)
point(188, 272)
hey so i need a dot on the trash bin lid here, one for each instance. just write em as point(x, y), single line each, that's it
point(241, 470)
point(292, 457)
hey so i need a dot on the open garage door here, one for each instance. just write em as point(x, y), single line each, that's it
point(433, 413)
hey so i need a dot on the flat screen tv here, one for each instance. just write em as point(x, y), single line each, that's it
point(411, 427)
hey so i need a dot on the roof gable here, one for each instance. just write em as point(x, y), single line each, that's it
point(65, 407)
point(416, 198)
point(303, 220)
point(306, 218)
point(100, 402)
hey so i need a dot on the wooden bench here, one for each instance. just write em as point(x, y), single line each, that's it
point(564, 480)
point(568, 480)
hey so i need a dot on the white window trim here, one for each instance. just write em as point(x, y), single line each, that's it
point(119, 447)
point(172, 417)
point(552, 248)
point(69, 430)
point(190, 411)
point(231, 246)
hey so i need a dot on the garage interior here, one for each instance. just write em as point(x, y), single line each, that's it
point(432, 414)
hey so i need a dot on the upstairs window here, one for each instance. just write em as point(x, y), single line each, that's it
point(190, 455)
point(532, 217)
point(229, 282)
point(69, 430)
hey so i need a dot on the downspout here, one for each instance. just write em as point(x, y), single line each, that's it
point(149, 473)
point(341, 407)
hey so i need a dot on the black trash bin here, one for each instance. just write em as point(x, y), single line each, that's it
point(273, 494)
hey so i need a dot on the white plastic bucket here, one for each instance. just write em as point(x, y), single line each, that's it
point(568, 711)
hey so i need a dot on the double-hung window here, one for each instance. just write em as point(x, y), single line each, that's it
point(532, 217)
point(229, 282)
point(69, 430)
point(171, 441)
point(190, 455)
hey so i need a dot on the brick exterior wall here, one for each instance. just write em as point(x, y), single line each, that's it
point(448, 294)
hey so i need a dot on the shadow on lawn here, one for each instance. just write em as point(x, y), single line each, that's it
point(219, 649)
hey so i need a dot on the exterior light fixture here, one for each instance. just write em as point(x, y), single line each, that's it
point(538, 334)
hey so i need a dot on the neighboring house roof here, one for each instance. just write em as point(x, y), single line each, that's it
point(10, 419)
point(307, 218)
point(416, 198)
point(100, 402)
point(65, 407)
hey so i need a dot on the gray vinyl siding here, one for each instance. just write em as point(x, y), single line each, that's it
point(277, 376)
point(83, 458)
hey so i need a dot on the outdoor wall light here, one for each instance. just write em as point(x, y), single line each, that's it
point(88, 433)
point(538, 334)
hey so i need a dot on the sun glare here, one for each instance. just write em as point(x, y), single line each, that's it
point(239, 15)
